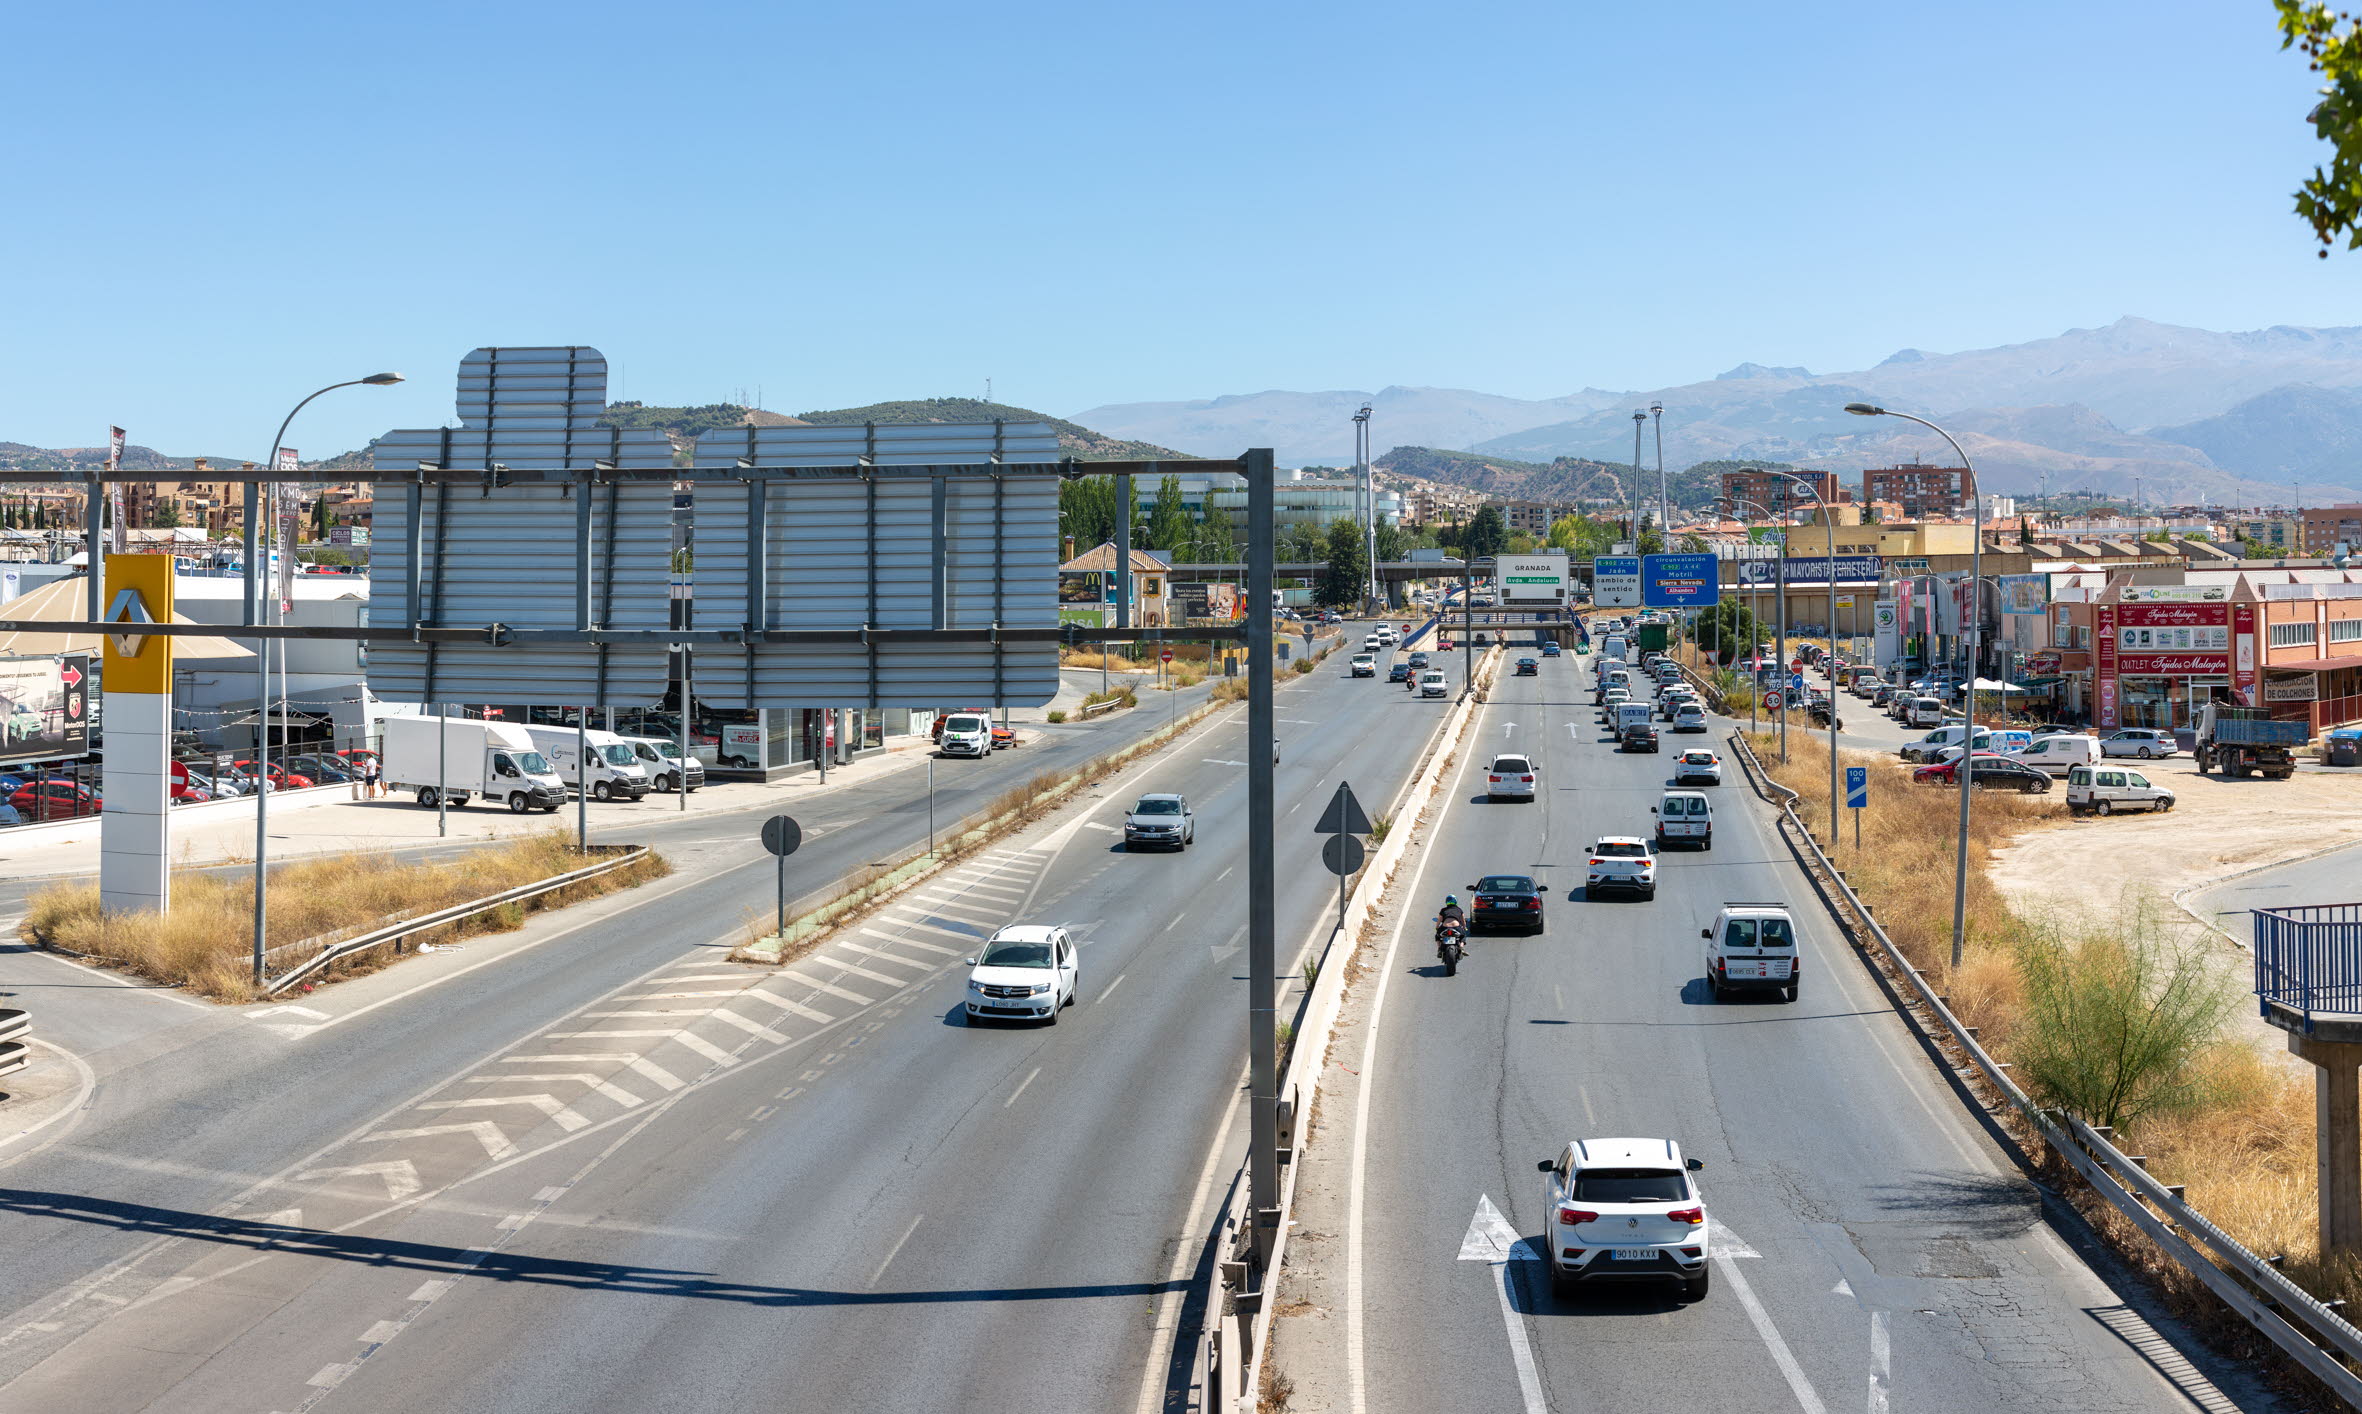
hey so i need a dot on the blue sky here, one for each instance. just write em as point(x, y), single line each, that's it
point(216, 209)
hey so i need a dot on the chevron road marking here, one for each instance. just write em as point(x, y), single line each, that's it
point(487, 1133)
point(689, 1039)
point(665, 1079)
point(566, 1116)
point(881, 955)
point(400, 1176)
point(751, 1028)
point(913, 942)
point(819, 986)
point(792, 1008)
point(604, 1089)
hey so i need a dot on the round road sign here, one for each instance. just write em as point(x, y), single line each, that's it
point(1167, 655)
point(782, 835)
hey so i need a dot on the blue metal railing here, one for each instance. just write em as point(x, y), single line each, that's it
point(2308, 959)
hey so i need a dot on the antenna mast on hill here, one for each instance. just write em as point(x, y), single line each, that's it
point(988, 390)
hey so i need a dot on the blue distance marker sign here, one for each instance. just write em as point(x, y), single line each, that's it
point(1857, 787)
point(1680, 581)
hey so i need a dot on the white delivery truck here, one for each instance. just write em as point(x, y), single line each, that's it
point(662, 760)
point(453, 758)
point(613, 772)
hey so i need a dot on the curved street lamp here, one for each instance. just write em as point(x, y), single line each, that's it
point(1968, 701)
point(255, 510)
point(1829, 524)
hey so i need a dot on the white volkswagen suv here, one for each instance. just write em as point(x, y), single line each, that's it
point(1026, 972)
point(1621, 862)
point(1625, 1210)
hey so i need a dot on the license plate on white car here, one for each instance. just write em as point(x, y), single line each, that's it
point(1633, 1254)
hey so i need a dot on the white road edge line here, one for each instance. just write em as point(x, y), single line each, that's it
point(1168, 1308)
point(1781, 1355)
point(1356, 1343)
point(896, 1250)
point(1013, 1094)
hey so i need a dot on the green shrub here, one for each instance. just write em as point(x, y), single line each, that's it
point(1057, 716)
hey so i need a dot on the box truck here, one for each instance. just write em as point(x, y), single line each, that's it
point(612, 770)
point(453, 758)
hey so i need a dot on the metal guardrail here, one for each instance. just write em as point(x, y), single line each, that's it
point(618, 857)
point(1091, 709)
point(2248, 1284)
point(2308, 959)
point(16, 1033)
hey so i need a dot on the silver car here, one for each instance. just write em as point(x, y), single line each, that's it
point(1160, 821)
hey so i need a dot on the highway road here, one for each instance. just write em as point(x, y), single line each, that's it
point(1872, 1242)
point(2324, 878)
point(625, 1174)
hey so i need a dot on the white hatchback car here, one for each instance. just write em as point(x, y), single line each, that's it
point(1625, 1210)
point(1511, 777)
point(1027, 972)
point(1621, 862)
point(1689, 717)
point(1696, 765)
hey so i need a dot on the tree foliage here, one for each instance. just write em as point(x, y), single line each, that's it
point(1582, 537)
point(2330, 201)
point(1169, 523)
point(1486, 535)
point(1727, 630)
point(1346, 574)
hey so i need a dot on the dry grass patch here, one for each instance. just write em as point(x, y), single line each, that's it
point(205, 943)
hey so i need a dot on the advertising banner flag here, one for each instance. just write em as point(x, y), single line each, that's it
point(119, 538)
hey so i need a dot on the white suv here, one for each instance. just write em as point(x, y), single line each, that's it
point(1625, 1210)
point(1027, 972)
point(1510, 776)
point(1621, 862)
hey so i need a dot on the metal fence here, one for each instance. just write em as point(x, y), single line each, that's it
point(2308, 959)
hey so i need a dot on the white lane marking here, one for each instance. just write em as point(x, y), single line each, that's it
point(896, 1249)
point(400, 1176)
point(817, 985)
point(739, 976)
point(1356, 1342)
point(1881, 1362)
point(1491, 1240)
point(1781, 1355)
point(484, 1132)
point(433, 1290)
point(1218, 878)
point(1583, 1094)
point(1169, 927)
point(566, 1117)
point(604, 1089)
point(331, 1376)
point(881, 955)
point(1013, 1094)
point(751, 1027)
point(679, 996)
point(899, 922)
point(380, 1333)
point(147, 989)
point(1095, 825)
point(940, 917)
point(690, 1039)
point(843, 966)
point(792, 1008)
point(1218, 761)
point(665, 1079)
point(898, 939)
point(1118, 982)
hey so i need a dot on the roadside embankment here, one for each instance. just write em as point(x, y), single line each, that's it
point(204, 944)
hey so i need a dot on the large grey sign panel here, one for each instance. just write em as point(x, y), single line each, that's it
point(932, 536)
point(510, 555)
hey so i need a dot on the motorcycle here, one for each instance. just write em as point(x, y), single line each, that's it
point(1451, 942)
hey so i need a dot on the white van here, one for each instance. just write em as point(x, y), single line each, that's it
point(2061, 753)
point(2104, 790)
point(612, 771)
point(1614, 646)
point(663, 762)
point(1684, 817)
point(965, 734)
point(1752, 947)
point(1632, 714)
point(1921, 712)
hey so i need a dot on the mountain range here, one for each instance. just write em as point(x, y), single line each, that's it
point(2179, 414)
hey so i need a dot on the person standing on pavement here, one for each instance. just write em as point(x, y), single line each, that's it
point(372, 779)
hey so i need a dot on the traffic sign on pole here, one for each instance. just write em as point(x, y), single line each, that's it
point(1344, 814)
point(1857, 787)
point(783, 836)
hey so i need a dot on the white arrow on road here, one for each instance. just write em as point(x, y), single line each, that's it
point(400, 1176)
point(1508, 728)
point(1491, 1239)
point(486, 1133)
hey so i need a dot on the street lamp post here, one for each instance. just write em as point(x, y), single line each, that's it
point(1968, 730)
point(1369, 501)
point(1755, 685)
point(1829, 524)
point(1639, 419)
point(1664, 495)
point(257, 506)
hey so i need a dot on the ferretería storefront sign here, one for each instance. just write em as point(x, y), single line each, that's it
point(1810, 570)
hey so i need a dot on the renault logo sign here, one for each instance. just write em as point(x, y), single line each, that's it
point(129, 608)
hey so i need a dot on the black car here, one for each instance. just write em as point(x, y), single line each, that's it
point(1505, 901)
point(1527, 667)
point(1399, 672)
point(1640, 736)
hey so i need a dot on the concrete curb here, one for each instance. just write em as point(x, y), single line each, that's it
point(2181, 896)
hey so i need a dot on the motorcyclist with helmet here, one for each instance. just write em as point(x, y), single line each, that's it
point(1452, 916)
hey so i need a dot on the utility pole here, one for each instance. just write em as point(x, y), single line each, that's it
point(1639, 419)
point(1262, 877)
point(1664, 493)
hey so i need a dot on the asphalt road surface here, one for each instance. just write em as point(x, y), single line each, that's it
point(1871, 1242)
point(617, 1172)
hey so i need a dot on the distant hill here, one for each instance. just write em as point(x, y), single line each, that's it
point(1306, 428)
point(2286, 434)
point(1075, 440)
point(1571, 480)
